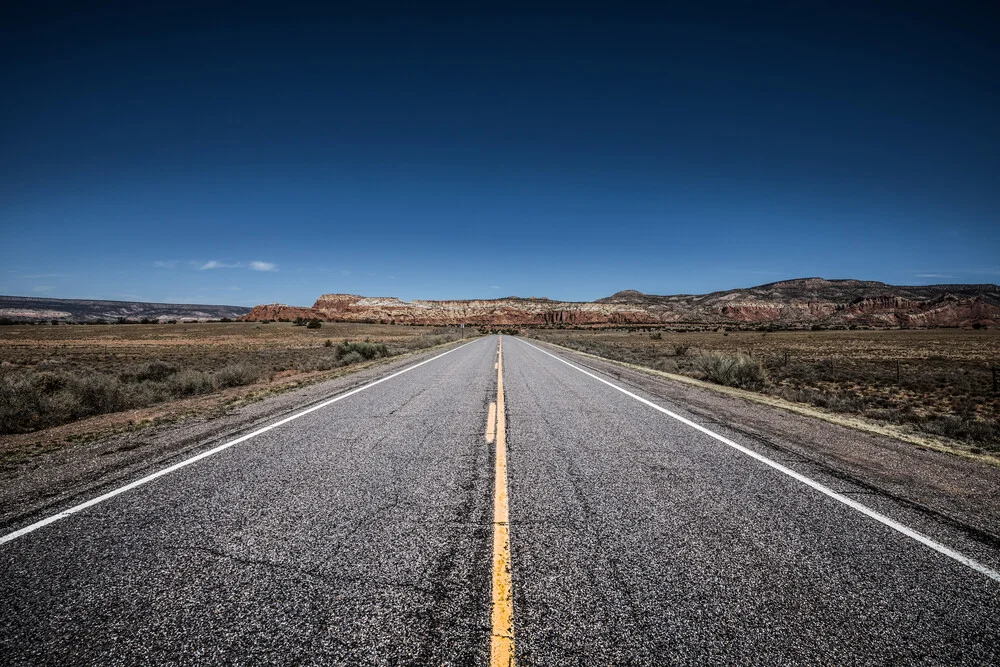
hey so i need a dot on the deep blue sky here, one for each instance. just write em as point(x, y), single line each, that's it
point(463, 155)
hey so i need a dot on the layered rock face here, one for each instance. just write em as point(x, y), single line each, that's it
point(793, 303)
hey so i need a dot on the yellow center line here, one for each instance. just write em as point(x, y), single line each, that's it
point(502, 641)
point(491, 422)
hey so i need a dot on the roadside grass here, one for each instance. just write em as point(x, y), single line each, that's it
point(47, 381)
point(935, 381)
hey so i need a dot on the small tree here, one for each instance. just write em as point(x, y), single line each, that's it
point(314, 324)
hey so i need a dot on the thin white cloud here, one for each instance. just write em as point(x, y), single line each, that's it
point(215, 264)
point(257, 265)
point(934, 275)
point(494, 287)
point(345, 272)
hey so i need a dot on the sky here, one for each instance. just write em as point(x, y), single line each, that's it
point(223, 153)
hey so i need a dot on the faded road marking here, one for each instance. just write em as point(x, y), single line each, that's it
point(491, 422)
point(502, 641)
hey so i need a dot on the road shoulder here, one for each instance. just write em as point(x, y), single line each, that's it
point(76, 470)
point(960, 490)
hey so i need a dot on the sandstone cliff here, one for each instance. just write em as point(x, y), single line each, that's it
point(793, 303)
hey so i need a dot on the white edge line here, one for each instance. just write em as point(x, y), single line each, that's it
point(853, 504)
point(215, 450)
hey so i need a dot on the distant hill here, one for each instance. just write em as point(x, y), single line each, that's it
point(801, 303)
point(30, 309)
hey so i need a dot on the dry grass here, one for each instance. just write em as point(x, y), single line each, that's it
point(51, 375)
point(944, 384)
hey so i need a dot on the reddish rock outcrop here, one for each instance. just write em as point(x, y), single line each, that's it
point(793, 303)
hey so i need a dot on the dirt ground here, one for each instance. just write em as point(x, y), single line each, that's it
point(939, 381)
point(52, 376)
point(106, 347)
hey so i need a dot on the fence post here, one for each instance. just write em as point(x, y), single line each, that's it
point(897, 371)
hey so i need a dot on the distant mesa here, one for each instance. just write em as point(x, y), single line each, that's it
point(801, 303)
point(30, 309)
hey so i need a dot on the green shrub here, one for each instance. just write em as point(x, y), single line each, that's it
point(314, 324)
point(733, 371)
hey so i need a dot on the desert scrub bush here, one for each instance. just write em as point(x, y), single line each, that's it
point(237, 375)
point(30, 401)
point(154, 371)
point(190, 382)
point(98, 393)
point(351, 357)
point(430, 340)
point(314, 324)
point(732, 370)
point(20, 401)
point(365, 350)
point(681, 349)
point(964, 428)
point(665, 365)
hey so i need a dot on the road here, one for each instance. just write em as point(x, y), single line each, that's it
point(370, 529)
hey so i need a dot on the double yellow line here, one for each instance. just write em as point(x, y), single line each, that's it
point(502, 639)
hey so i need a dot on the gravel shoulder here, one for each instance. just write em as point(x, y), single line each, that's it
point(68, 464)
point(961, 490)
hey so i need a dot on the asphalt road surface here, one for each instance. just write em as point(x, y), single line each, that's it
point(363, 532)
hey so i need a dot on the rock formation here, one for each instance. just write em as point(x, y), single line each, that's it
point(792, 303)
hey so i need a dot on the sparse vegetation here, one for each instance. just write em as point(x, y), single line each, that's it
point(936, 381)
point(736, 370)
point(54, 375)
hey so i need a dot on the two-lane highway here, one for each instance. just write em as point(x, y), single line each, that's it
point(639, 539)
point(371, 530)
point(356, 534)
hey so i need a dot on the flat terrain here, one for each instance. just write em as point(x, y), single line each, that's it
point(209, 344)
point(935, 381)
point(361, 532)
point(52, 375)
